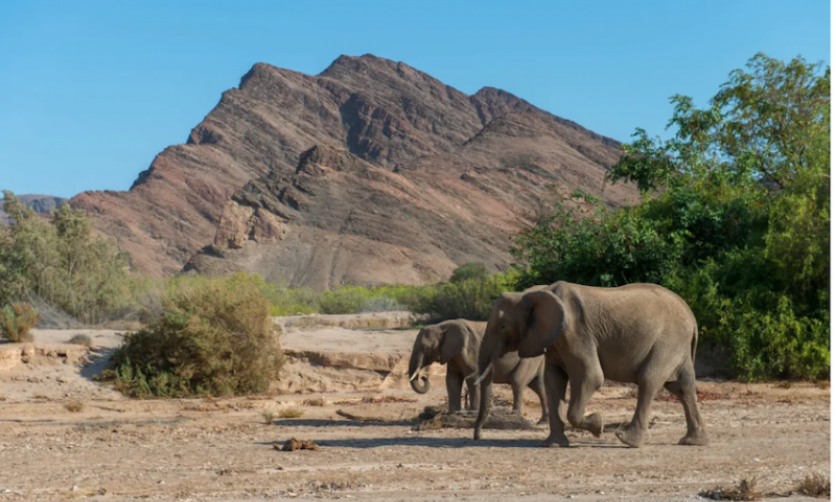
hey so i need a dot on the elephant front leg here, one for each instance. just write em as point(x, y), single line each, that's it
point(556, 380)
point(454, 390)
point(582, 390)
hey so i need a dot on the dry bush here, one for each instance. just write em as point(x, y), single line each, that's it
point(317, 401)
point(214, 338)
point(746, 490)
point(268, 416)
point(292, 412)
point(437, 417)
point(814, 485)
point(785, 384)
point(81, 340)
point(823, 384)
point(74, 406)
point(16, 320)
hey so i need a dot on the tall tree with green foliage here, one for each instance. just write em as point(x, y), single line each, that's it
point(58, 260)
point(736, 219)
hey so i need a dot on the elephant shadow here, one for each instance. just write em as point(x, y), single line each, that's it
point(342, 423)
point(449, 442)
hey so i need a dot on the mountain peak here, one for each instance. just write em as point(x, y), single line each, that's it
point(333, 161)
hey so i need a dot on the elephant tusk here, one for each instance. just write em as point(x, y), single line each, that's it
point(484, 373)
point(414, 375)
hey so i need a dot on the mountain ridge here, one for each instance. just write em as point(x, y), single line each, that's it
point(386, 114)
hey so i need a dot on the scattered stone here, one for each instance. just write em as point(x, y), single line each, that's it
point(294, 444)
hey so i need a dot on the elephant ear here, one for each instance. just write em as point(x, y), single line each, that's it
point(546, 321)
point(452, 341)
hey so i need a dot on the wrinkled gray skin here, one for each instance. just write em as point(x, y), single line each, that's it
point(639, 333)
point(456, 343)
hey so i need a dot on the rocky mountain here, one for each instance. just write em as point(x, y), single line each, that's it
point(370, 172)
point(42, 204)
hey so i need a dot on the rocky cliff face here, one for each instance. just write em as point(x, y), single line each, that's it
point(369, 172)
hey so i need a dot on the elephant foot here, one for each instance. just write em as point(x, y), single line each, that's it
point(631, 435)
point(695, 438)
point(560, 441)
point(594, 423)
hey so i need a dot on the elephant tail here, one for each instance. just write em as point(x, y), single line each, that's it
point(694, 344)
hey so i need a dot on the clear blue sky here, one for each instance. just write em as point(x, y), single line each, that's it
point(91, 91)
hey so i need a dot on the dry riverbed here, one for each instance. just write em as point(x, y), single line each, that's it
point(64, 436)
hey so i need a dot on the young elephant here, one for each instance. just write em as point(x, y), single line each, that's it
point(639, 333)
point(456, 343)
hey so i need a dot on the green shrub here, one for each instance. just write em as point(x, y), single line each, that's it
point(285, 301)
point(214, 337)
point(470, 271)
point(344, 300)
point(16, 320)
point(381, 303)
point(470, 299)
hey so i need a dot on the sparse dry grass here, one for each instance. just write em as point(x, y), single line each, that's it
point(292, 412)
point(823, 384)
point(785, 384)
point(74, 406)
point(316, 401)
point(746, 490)
point(387, 399)
point(268, 416)
point(814, 485)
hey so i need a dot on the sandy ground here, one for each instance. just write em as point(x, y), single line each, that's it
point(205, 449)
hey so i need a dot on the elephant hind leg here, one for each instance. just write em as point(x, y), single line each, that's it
point(633, 433)
point(685, 389)
point(539, 388)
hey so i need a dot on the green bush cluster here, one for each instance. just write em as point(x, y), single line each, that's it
point(59, 262)
point(735, 219)
point(16, 321)
point(214, 337)
point(469, 294)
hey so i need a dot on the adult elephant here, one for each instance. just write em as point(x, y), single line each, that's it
point(639, 333)
point(456, 343)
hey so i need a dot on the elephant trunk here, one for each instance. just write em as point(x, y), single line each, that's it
point(484, 405)
point(415, 365)
point(420, 385)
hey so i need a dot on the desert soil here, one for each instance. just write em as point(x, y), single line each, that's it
point(117, 448)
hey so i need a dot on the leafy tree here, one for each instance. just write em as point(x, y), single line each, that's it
point(735, 219)
point(61, 262)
